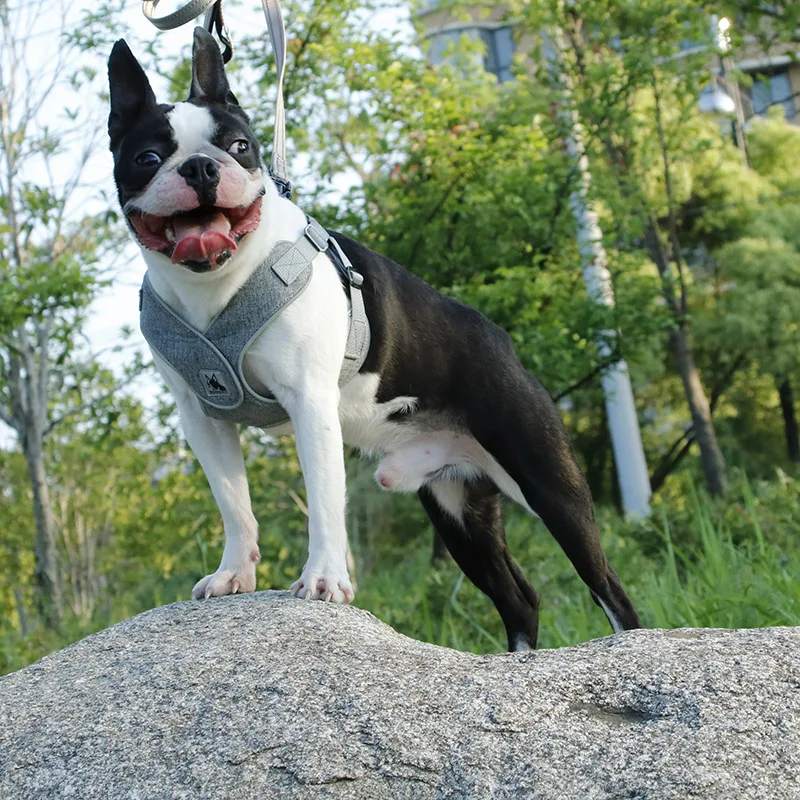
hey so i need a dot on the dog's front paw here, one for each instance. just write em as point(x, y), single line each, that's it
point(226, 581)
point(323, 582)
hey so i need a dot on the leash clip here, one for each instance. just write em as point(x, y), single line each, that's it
point(284, 185)
point(355, 279)
point(325, 243)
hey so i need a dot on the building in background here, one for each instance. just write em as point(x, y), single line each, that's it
point(776, 81)
point(442, 28)
point(775, 76)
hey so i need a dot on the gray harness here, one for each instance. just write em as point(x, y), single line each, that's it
point(211, 362)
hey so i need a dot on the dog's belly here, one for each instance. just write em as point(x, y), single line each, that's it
point(428, 456)
point(419, 448)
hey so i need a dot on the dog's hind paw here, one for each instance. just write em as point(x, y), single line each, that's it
point(226, 581)
point(329, 585)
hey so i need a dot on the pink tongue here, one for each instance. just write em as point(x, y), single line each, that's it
point(202, 238)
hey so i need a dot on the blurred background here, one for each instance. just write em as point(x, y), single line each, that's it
point(617, 184)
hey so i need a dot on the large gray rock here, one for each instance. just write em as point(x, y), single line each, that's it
point(263, 696)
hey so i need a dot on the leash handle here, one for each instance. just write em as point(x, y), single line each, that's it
point(194, 8)
point(277, 35)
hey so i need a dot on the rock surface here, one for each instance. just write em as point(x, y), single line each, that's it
point(264, 696)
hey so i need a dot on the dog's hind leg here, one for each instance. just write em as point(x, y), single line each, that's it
point(527, 437)
point(467, 515)
point(566, 509)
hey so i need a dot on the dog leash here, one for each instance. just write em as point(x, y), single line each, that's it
point(214, 21)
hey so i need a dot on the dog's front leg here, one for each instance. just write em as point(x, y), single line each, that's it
point(318, 434)
point(219, 451)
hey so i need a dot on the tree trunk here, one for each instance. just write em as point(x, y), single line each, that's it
point(23, 617)
point(626, 439)
point(681, 348)
point(786, 395)
point(46, 571)
point(705, 436)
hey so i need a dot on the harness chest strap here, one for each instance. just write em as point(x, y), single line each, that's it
point(211, 362)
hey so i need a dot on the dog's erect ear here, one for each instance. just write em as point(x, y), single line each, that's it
point(208, 71)
point(131, 93)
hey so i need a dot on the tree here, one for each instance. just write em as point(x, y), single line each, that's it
point(49, 251)
point(635, 98)
point(771, 143)
point(758, 304)
point(463, 180)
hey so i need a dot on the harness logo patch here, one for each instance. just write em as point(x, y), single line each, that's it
point(214, 383)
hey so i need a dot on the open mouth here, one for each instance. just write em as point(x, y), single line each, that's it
point(203, 239)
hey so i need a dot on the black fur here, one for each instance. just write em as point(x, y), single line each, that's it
point(136, 123)
point(130, 92)
point(209, 81)
point(210, 89)
point(463, 368)
point(479, 548)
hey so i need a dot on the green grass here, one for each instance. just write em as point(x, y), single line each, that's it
point(697, 562)
point(707, 564)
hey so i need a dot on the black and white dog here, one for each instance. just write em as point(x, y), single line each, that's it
point(441, 397)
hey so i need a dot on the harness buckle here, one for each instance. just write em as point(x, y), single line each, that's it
point(344, 265)
point(356, 278)
point(317, 235)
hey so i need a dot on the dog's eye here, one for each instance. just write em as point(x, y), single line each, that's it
point(148, 159)
point(239, 147)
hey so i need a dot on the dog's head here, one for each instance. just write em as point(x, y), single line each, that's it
point(188, 175)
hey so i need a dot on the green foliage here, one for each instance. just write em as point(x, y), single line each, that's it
point(465, 182)
point(759, 301)
point(772, 146)
point(772, 25)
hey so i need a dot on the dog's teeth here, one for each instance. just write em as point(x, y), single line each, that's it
point(170, 234)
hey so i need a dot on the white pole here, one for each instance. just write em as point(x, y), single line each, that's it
point(626, 439)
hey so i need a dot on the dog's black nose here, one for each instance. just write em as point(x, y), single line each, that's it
point(202, 174)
